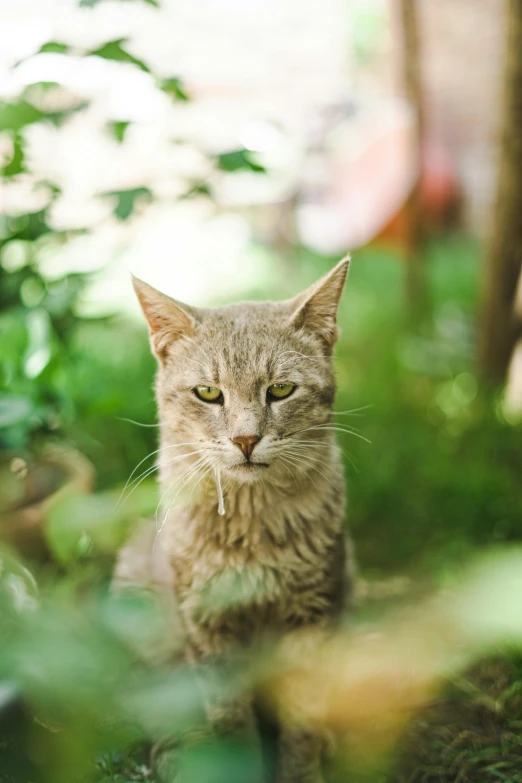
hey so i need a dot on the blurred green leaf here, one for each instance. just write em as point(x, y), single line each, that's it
point(17, 163)
point(199, 189)
point(126, 200)
point(113, 50)
point(71, 522)
point(166, 702)
point(77, 521)
point(14, 409)
point(14, 116)
point(38, 352)
point(118, 129)
point(43, 86)
point(174, 86)
point(237, 160)
point(55, 47)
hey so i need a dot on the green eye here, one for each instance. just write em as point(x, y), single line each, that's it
point(208, 393)
point(278, 391)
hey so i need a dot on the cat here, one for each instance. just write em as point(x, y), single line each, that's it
point(258, 547)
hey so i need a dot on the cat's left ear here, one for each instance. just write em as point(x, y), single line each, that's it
point(316, 308)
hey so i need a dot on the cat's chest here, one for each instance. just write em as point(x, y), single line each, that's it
point(279, 542)
point(255, 559)
point(254, 573)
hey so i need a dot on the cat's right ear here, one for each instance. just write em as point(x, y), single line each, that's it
point(168, 320)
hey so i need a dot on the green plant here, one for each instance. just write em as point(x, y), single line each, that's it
point(37, 318)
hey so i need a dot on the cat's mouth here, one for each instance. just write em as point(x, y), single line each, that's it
point(251, 465)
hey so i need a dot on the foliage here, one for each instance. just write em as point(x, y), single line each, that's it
point(43, 350)
point(36, 321)
point(441, 474)
point(79, 704)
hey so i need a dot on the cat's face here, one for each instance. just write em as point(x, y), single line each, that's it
point(247, 387)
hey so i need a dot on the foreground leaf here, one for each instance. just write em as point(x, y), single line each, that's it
point(237, 160)
point(14, 116)
point(113, 50)
point(126, 200)
point(174, 87)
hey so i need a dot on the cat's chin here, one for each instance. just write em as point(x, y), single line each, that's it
point(248, 472)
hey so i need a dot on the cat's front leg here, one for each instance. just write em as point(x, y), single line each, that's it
point(229, 705)
point(229, 733)
point(301, 753)
point(230, 726)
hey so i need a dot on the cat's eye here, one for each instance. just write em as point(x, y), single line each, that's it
point(278, 391)
point(209, 394)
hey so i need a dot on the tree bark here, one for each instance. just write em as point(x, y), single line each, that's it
point(415, 273)
point(500, 326)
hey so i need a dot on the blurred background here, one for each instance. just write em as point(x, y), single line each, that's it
point(223, 150)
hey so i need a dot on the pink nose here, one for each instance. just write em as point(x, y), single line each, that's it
point(246, 443)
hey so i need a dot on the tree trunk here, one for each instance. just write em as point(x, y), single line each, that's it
point(415, 248)
point(500, 327)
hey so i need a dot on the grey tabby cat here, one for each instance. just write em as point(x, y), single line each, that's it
point(258, 548)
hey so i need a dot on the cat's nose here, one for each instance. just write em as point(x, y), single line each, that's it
point(246, 443)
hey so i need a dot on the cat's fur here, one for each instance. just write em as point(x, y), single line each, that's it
point(277, 560)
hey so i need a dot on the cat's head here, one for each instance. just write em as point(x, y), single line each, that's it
point(248, 387)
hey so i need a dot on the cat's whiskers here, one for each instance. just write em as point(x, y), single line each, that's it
point(331, 427)
point(298, 466)
point(179, 485)
point(137, 423)
point(353, 412)
point(342, 428)
point(176, 480)
point(310, 445)
point(310, 442)
point(327, 444)
point(343, 451)
point(286, 463)
point(138, 480)
point(152, 470)
point(308, 461)
point(297, 448)
point(205, 472)
point(152, 453)
point(160, 528)
point(155, 467)
point(228, 484)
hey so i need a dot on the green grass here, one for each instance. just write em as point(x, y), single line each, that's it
point(472, 734)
